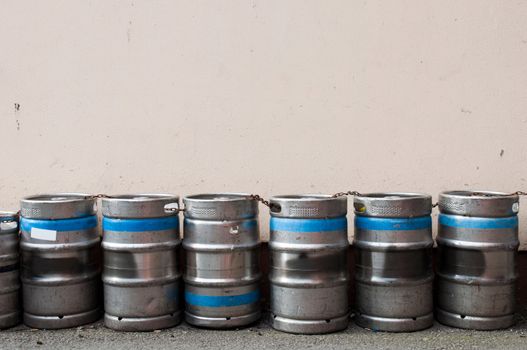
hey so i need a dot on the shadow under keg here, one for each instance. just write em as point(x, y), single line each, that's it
point(477, 243)
point(10, 314)
point(308, 264)
point(141, 274)
point(222, 272)
point(61, 260)
point(393, 261)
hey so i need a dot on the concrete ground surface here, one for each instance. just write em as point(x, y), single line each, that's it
point(261, 336)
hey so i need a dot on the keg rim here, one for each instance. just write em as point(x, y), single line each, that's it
point(8, 214)
point(140, 197)
point(480, 195)
point(60, 197)
point(57, 206)
point(308, 206)
point(8, 217)
point(140, 205)
point(220, 206)
point(478, 203)
point(393, 204)
point(393, 196)
point(306, 197)
point(218, 197)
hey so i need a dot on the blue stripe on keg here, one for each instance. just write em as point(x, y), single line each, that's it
point(308, 225)
point(393, 224)
point(77, 224)
point(222, 300)
point(478, 223)
point(140, 225)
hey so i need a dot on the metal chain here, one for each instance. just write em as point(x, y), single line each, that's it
point(96, 196)
point(349, 193)
point(435, 204)
point(520, 193)
point(258, 198)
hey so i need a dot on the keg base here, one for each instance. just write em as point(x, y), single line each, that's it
point(223, 322)
point(474, 322)
point(58, 322)
point(10, 320)
point(142, 324)
point(385, 324)
point(290, 325)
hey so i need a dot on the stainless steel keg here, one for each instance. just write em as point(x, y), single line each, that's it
point(393, 261)
point(222, 273)
point(478, 242)
point(61, 260)
point(308, 263)
point(9, 275)
point(141, 274)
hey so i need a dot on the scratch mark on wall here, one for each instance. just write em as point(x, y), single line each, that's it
point(17, 111)
point(129, 31)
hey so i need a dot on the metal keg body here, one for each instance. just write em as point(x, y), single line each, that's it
point(222, 274)
point(10, 314)
point(477, 244)
point(142, 278)
point(61, 261)
point(308, 264)
point(393, 270)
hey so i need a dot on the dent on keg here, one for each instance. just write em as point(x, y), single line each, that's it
point(141, 275)
point(222, 272)
point(393, 261)
point(61, 260)
point(308, 263)
point(10, 314)
point(477, 243)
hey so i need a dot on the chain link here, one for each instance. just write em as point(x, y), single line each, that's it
point(268, 204)
point(349, 193)
point(520, 193)
point(96, 196)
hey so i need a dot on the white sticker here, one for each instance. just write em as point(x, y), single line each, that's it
point(515, 207)
point(46, 235)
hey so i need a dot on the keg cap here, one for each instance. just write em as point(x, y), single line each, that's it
point(393, 204)
point(308, 206)
point(139, 206)
point(220, 206)
point(58, 206)
point(479, 203)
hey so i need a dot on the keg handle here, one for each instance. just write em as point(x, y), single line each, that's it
point(170, 208)
point(275, 208)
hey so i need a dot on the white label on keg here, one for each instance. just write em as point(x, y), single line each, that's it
point(46, 235)
point(515, 207)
